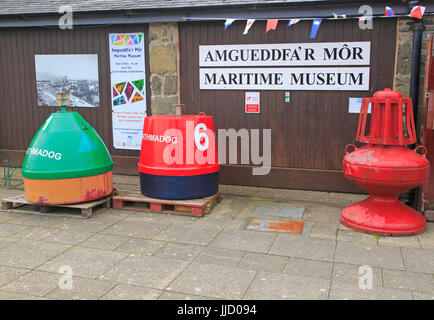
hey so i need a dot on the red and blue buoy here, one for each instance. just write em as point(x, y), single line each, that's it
point(178, 158)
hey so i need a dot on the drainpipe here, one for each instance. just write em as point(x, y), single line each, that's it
point(414, 196)
point(418, 28)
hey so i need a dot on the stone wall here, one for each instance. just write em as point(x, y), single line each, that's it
point(164, 66)
point(403, 62)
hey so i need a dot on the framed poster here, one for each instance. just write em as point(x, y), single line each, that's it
point(73, 73)
point(127, 67)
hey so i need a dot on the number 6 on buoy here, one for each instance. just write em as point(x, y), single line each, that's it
point(199, 135)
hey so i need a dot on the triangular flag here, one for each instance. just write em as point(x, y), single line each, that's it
point(389, 12)
point(364, 18)
point(271, 24)
point(339, 16)
point(228, 23)
point(315, 26)
point(417, 12)
point(248, 25)
point(293, 21)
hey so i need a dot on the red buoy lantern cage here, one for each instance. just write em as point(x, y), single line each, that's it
point(385, 167)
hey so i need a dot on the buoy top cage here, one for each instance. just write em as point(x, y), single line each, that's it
point(391, 119)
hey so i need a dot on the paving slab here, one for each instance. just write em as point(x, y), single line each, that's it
point(6, 295)
point(345, 291)
point(104, 241)
point(29, 254)
point(366, 254)
point(200, 236)
point(146, 271)
point(304, 247)
point(417, 260)
point(8, 216)
point(426, 244)
point(141, 246)
point(238, 224)
point(355, 236)
point(7, 229)
point(350, 273)
point(216, 281)
point(82, 289)
point(138, 229)
point(210, 221)
point(6, 241)
point(280, 211)
point(168, 295)
point(35, 233)
point(403, 242)
point(85, 262)
point(244, 240)
point(179, 251)
point(263, 262)
point(323, 233)
point(96, 223)
point(323, 215)
point(275, 286)
point(7, 274)
point(219, 256)
point(69, 236)
point(146, 216)
point(179, 219)
point(118, 213)
point(308, 268)
point(127, 292)
point(36, 283)
point(422, 296)
point(408, 280)
point(40, 220)
point(426, 238)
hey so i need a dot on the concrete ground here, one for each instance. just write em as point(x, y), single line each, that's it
point(120, 254)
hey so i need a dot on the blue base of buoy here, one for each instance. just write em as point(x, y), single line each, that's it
point(179, 187)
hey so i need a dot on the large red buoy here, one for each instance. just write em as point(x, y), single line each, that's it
point(385, 167)
point(178, 158)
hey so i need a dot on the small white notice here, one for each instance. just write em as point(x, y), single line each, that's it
point(252, 103)
point(355, 104)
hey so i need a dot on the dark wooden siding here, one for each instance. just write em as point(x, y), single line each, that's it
point(20, 117)
point(309, 134)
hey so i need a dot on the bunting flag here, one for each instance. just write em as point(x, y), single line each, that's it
point(315, 26)
point(248, 25)
point(293, 21)
point(417, 12)
point(365, 18)
point(389, 12)
point(339, 16)
point(271, 24)
point(228, 23)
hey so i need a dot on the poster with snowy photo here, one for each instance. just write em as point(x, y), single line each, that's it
point(73, 73)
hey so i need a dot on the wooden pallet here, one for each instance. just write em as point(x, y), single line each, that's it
point(134, 200)
point(86, 209)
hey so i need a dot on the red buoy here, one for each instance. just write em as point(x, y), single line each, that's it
point(385, 167)
point(178, 158)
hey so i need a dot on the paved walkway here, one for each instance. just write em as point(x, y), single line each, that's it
point(120, 254)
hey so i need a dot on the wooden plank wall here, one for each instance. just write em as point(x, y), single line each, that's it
point(20, 117)
point(309, 134)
